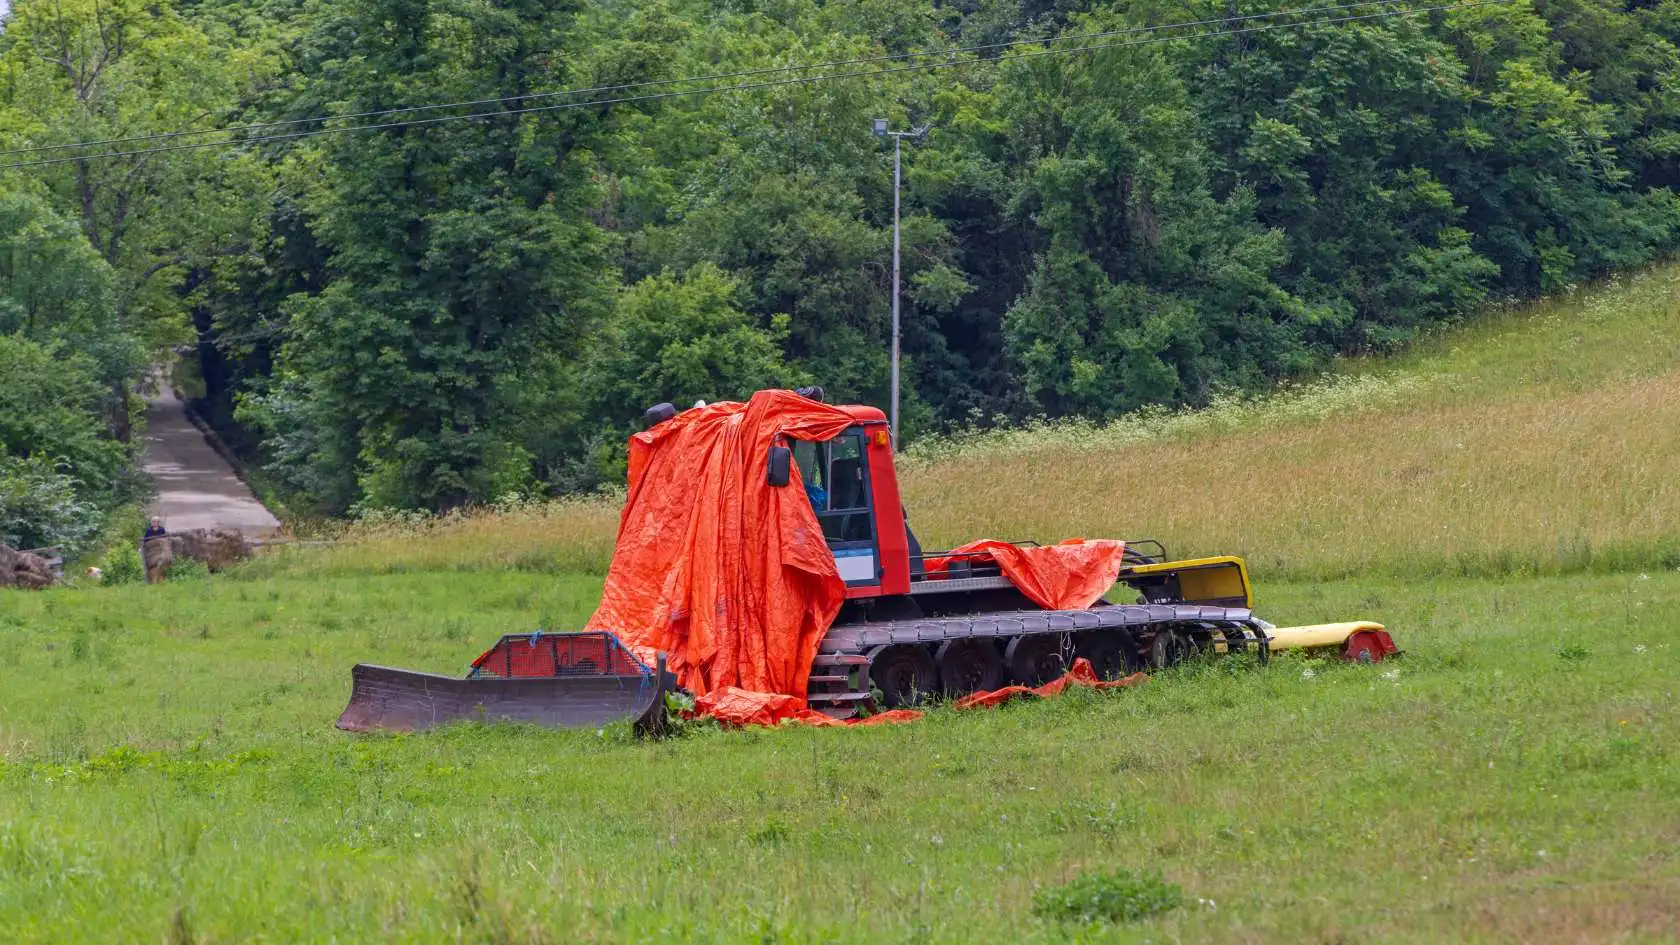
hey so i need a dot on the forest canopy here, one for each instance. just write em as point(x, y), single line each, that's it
point(432, 312)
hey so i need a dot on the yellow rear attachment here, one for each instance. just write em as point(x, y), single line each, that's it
point(1362, 640)
point(1217, 582)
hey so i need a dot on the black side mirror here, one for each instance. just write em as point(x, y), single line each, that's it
point(780, 471)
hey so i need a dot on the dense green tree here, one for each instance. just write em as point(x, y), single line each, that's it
point(671, 337)
point(52, 399)
point(1147, 288)
point(796, 199)
point(55, 288)
point(90, 70)
point(454, 253)
point(682, 338)
point(1338, 130)
point(431, 315)
point(63, 346)
point(43, 507)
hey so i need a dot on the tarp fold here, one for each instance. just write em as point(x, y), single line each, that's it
point(1071, 575)
point(728, 576)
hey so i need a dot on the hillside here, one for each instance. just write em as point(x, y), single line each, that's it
point(1543, 439)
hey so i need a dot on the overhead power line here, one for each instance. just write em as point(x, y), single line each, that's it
point(803, 80)
point(715, 77)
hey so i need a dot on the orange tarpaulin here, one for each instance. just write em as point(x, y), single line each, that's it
point(1072, 575)
point(1082, 674)
point(728, 576)
point(740, 708)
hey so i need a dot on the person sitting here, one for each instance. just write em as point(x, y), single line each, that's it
point(818, 496)
point(155, 529)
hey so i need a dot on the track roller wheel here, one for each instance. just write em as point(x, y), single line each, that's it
point(1112, 654)
point(967, 666)
point(1035, 660)
point(1170, 647)
point(905, 675)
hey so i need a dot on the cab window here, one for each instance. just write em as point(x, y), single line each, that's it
point(836, 478)
point(813, 471)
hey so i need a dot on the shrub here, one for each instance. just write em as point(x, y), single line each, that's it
point(123, 565)
point(40, 507)
point(187, 569)
point(51, 404)
point(1118, 896)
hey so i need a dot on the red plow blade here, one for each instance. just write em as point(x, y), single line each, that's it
point(582, 680)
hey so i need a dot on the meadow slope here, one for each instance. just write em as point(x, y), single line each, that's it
point(1543, 439)
point(1546, 439)
point(1502, 497)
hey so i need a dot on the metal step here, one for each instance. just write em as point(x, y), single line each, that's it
point(955, 585)
point(837, 697)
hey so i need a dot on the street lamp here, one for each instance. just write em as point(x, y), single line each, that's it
point(879, 126)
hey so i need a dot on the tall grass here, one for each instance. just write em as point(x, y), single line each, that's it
point(1333, 397)
point(1561, 483)
point(569, 535)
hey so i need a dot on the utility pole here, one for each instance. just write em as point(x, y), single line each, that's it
point(880, 128)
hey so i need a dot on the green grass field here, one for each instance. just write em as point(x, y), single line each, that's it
point(169, 770)
point(172, 773)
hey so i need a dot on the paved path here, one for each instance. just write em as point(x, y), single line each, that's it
point(195, 487)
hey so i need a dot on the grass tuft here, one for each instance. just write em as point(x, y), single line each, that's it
point(1116, 896)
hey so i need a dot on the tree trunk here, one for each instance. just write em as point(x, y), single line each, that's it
point(121, 422)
